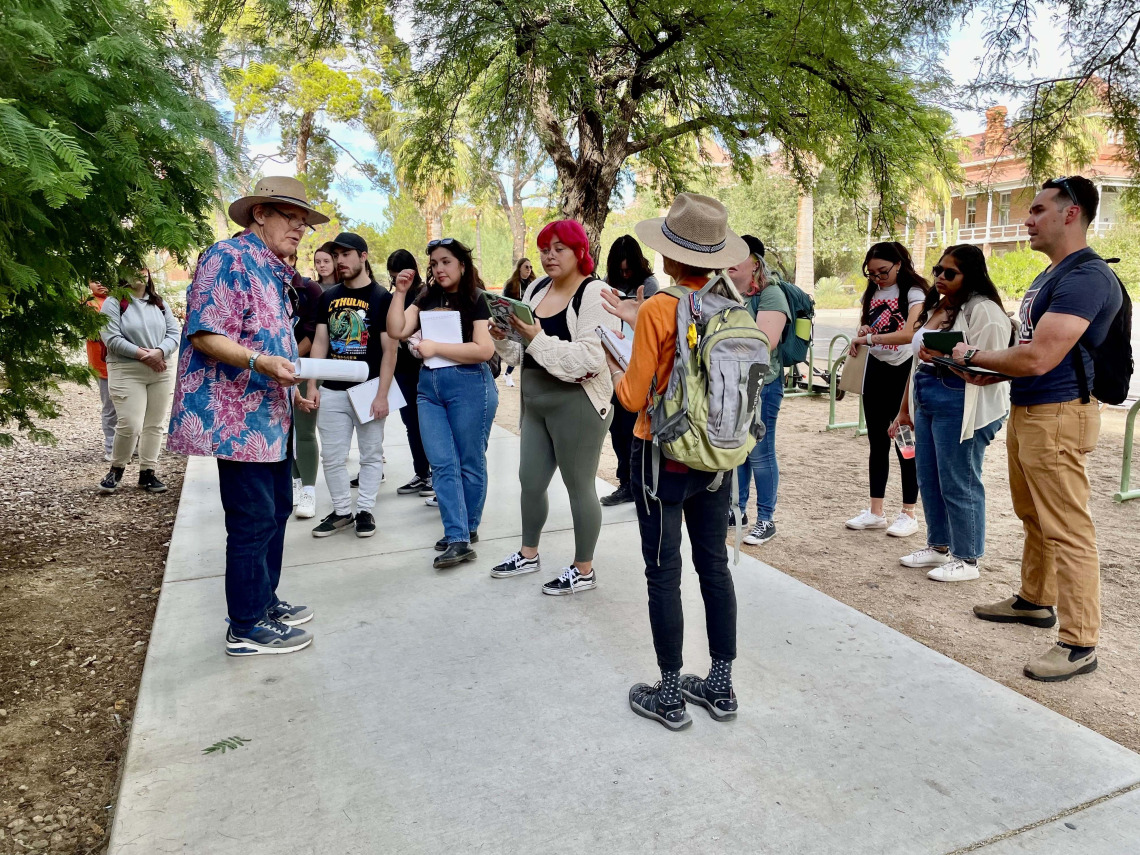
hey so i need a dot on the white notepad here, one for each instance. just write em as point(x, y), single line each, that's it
point(444, 328)
point(621, 349)
point(362, 396)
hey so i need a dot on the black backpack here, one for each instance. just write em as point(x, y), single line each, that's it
point(1112, 361)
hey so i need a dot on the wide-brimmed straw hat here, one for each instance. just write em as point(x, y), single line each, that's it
point(280, 190)
point(694, 232)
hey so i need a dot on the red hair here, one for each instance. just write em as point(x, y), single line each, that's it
point(570, 233)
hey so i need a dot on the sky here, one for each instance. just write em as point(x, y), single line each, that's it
point(361, 203)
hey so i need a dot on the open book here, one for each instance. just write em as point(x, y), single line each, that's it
point(621, 349)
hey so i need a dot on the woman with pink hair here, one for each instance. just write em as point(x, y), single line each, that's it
point(566, 407)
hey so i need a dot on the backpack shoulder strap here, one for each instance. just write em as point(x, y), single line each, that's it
point(535, 287)
point(576, 301)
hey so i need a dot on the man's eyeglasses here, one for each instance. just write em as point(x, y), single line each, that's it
point(881, 275)
point(294, 222)
point(441, 242)
point(947, 273)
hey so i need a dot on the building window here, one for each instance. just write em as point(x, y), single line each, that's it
point(1003, 209)
point(971, 212)
point(1109, 210)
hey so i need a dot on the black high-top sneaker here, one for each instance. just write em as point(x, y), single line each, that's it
point(110, 482)
point(149, 481)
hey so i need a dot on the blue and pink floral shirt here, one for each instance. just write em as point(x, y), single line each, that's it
point(240, 290)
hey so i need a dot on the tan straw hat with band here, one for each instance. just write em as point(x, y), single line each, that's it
point(276, 190)
point(694, 232)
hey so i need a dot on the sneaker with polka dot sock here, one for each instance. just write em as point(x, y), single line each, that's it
point(713, 693)
point(664, 702)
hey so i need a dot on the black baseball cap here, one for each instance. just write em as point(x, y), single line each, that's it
point(326, 247)
point(347, 240)
point(755, 245)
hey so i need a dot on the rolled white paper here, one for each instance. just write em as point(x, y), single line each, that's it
point(339, 370)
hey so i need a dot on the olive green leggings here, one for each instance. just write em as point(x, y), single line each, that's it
point(307, 456)
point(561, 431)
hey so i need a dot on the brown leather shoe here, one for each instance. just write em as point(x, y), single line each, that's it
point(1055, 664)
point(1004, 612)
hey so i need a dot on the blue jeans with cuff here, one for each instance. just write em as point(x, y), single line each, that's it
point(950, 471)
point(257, 499)
point(761, 463)
point(457, 408)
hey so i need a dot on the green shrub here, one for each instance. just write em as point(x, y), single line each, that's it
point(830, 293)
point(1123, 242)
point(1015, 271)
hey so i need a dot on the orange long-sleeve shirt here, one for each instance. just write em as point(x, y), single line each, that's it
point(654, 349)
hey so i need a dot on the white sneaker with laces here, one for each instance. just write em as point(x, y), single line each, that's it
point(926, 557)
point(510, 380)
point(904, 526)
point(307, 506)
point(866, 520)
point(954, 571)
point(296, 491)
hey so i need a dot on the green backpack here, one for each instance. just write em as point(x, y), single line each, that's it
point(705, 418)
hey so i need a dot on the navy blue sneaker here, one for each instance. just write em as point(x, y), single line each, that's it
point(267, 636)
point(290, 615)
point(645, 700)
point(722, 706)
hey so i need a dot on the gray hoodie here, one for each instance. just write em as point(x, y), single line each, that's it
point(141, 325)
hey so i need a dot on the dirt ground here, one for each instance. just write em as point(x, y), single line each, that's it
point(823, 482)
point(79, 577)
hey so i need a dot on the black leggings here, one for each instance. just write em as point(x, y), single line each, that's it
point(883, 388)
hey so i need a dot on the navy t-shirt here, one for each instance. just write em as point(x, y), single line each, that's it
point(1081, 285)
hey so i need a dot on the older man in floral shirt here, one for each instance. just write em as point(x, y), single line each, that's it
point(233, 400)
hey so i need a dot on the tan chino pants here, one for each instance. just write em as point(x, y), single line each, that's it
point(142, 401)
point(1047, 444)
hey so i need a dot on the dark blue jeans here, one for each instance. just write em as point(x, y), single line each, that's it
point(684, 493)
point(457, 408)
point(761, 463)
point(257, 499)
point(949, 470)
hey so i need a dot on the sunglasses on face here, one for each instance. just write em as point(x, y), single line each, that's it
point(947, 273)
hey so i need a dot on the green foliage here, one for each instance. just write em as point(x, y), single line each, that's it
point(231, 744)
point(103, 158)
point(1013, 272)
point(1123, 241)
point(831, 293)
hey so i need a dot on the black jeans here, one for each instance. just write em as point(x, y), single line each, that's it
point(883, 389)
point(621, 435)
point(683, 492)
point(409, 383)
point(257, 499)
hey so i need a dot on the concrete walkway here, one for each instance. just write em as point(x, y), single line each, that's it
point(452, 712)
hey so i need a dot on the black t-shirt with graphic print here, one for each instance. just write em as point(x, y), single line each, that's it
point(355, 318)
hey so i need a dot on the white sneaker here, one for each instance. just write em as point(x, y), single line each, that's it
point(904, 526)
point(296, 491)
point(926, 557)
point(954, 571)
point(510, 380)
point(307, 506)
point(866, 520)
point(433, 502)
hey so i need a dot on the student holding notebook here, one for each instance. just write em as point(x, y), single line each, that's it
point(457, 395)
point(351, 320)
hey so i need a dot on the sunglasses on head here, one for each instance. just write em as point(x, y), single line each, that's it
point(947, 273)
point(1063, 185)
point(441, 242)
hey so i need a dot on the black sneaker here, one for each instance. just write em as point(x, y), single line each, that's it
point(333, 523)
point(355, 482)
point(110, 482)
point(516, 565)
point(441, 544)
point(622, 495)
point(365, 524)
point(569, 582)
point(763, 531)
point(427, 490)
point(722, 706)
point(645, 700)
point(456, 553)
point(149, 481)
point(413, 486)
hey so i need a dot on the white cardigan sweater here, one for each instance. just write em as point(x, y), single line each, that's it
point(988, 328)
point(581, 360)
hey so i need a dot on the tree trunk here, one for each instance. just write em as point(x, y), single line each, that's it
point(435, 225)
point(921, 230)
point(479, 238)
point(304, 134)
point(805, 243)
point(586, 198)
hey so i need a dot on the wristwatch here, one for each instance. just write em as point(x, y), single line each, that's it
point(968, 355)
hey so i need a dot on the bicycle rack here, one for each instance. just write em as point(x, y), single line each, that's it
point(790, 389)
point(1126, 493)
point(832, 371)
